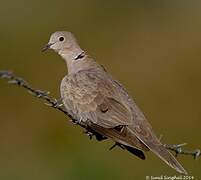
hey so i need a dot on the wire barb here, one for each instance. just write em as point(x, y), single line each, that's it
point(44, 95)
point(57, 104)
point(178, 149)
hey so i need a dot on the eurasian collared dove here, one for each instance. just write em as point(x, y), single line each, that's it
point(94, 98)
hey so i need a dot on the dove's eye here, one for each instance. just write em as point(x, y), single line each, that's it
point(61, 38)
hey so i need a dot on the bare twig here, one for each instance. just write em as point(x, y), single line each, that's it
point(52, 102)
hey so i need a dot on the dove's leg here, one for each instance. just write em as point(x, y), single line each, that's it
point(90, 132)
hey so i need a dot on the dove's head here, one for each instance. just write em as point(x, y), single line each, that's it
point(62, 42)
point(65, 44)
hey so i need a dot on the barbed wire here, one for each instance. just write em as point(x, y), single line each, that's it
point(56, 104)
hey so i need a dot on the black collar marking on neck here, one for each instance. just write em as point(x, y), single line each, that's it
point(80, 56)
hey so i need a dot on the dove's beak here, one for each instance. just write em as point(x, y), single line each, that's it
point(46, 47)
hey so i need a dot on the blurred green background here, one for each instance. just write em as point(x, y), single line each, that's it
point(153, 47)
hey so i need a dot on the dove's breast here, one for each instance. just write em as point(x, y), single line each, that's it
point(78, 92)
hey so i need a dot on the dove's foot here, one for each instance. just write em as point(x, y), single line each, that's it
point(92, 133)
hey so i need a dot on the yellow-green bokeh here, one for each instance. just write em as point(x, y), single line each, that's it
point(153, 47)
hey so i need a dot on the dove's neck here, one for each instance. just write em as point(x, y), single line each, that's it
point(78, 60)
